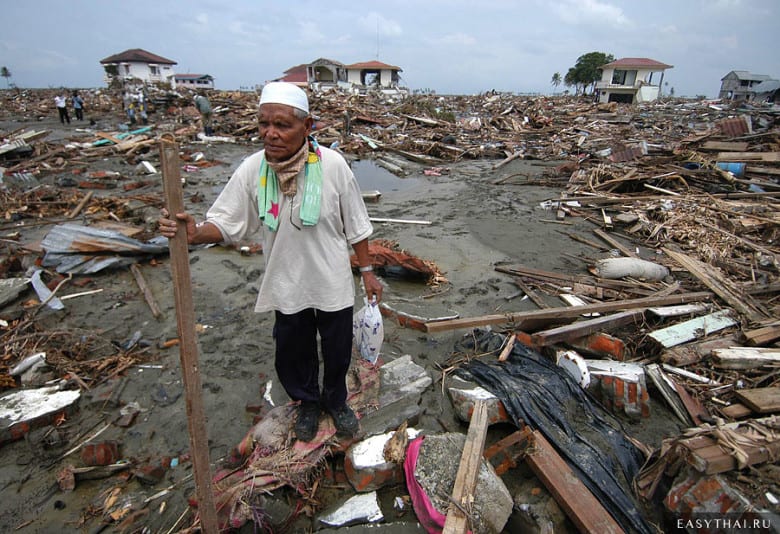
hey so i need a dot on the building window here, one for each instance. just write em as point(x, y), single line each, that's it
point(154, 70)
point(619, 77)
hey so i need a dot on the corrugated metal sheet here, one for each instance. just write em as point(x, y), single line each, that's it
point(736, 126)
point(77, 249)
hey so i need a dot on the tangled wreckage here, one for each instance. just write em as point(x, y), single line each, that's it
point(680, 317)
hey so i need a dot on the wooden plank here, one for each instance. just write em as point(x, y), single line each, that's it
point(566, 311)
point(144, 287)
point(726, 290)
point(695, 351)
point(676, 311)
point(748, 156)
point(762, 336)
point(583, 328)
point(668, 390)
point(729, 146)
point(108, 137)
point(188, 349)
point(761, 400)
point(613, 242)
point(580, 505)
point(466, 479)
point(711, 459)
point(693, 329)
point(762, 170)
point(745, 357)
point(736, 411)
point(83, 202)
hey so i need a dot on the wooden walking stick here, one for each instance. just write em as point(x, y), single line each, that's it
point(188, 349)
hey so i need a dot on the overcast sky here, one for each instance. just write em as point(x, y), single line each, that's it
point(450, 46)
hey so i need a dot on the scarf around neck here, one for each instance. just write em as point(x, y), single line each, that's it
point(270, 183)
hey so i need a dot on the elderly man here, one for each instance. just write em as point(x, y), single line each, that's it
point(308, 205)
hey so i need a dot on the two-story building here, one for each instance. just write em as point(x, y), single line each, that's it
point(631, 80)
point(740, 85)
point(138, 64)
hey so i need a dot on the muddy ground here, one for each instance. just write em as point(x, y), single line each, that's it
point(475, 225)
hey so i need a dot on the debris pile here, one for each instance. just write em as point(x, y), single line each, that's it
point(675, 311)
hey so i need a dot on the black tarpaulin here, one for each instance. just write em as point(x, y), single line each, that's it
point(542, 395)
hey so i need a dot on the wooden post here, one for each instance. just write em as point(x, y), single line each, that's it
point(188, 349)
point(466, 479)
point(144, 287)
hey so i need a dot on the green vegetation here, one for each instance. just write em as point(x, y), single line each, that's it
point(5, 73)
point(587, 71)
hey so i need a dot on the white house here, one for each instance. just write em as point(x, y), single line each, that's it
point(373, 73)
point(137, 63)
point(631, 80)
point(193, 81)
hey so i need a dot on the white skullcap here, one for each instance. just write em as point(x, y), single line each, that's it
point(285, 93)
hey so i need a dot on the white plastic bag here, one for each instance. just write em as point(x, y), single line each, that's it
point(368, 331)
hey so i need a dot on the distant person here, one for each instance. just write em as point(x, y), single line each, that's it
point(204, 107)
point(127, 103)
point(61, 102)
point(307, 204)
point(78, 106)
point(140, 100)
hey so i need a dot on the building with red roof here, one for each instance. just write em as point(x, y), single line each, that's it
point(137, 63)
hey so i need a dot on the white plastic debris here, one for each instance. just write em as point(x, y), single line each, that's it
point(614, 268)
point(362, 508)
point(575, 365)
point(28, 363)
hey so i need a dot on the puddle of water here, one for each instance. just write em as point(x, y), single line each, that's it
point(372, 177)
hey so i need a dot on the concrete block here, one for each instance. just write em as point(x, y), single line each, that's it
point(464, 395)
point(436, 470)
point(701, 503)
point(365, 466)
point(401, 378)
point(26, 410)
point(620, 387)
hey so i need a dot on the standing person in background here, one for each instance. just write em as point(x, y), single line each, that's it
point(141, 106)
point(61, 101)
point(127, 103)
point(307, 203)
point(78, 106)
point(204, 107)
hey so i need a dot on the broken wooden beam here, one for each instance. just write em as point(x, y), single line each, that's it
point(693, 329)
point(566, 311)
point(470, 464)
point(144, 287)
point(583, 328)
point(745, 357)
point(574, 498)
point(75, 211)
point(760, 400)
point(188, 352)
point(762, 336)
point(710, 277)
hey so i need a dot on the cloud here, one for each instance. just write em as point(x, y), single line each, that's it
point(588, 12)
point(456, 39)
point(373, 22)
point(198, 24)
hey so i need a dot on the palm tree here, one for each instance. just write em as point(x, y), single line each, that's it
point(5, 73)
point(556, 80)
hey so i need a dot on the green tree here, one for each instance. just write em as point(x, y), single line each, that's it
point(587, 71)
point(5, 73)
point(556, 81)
